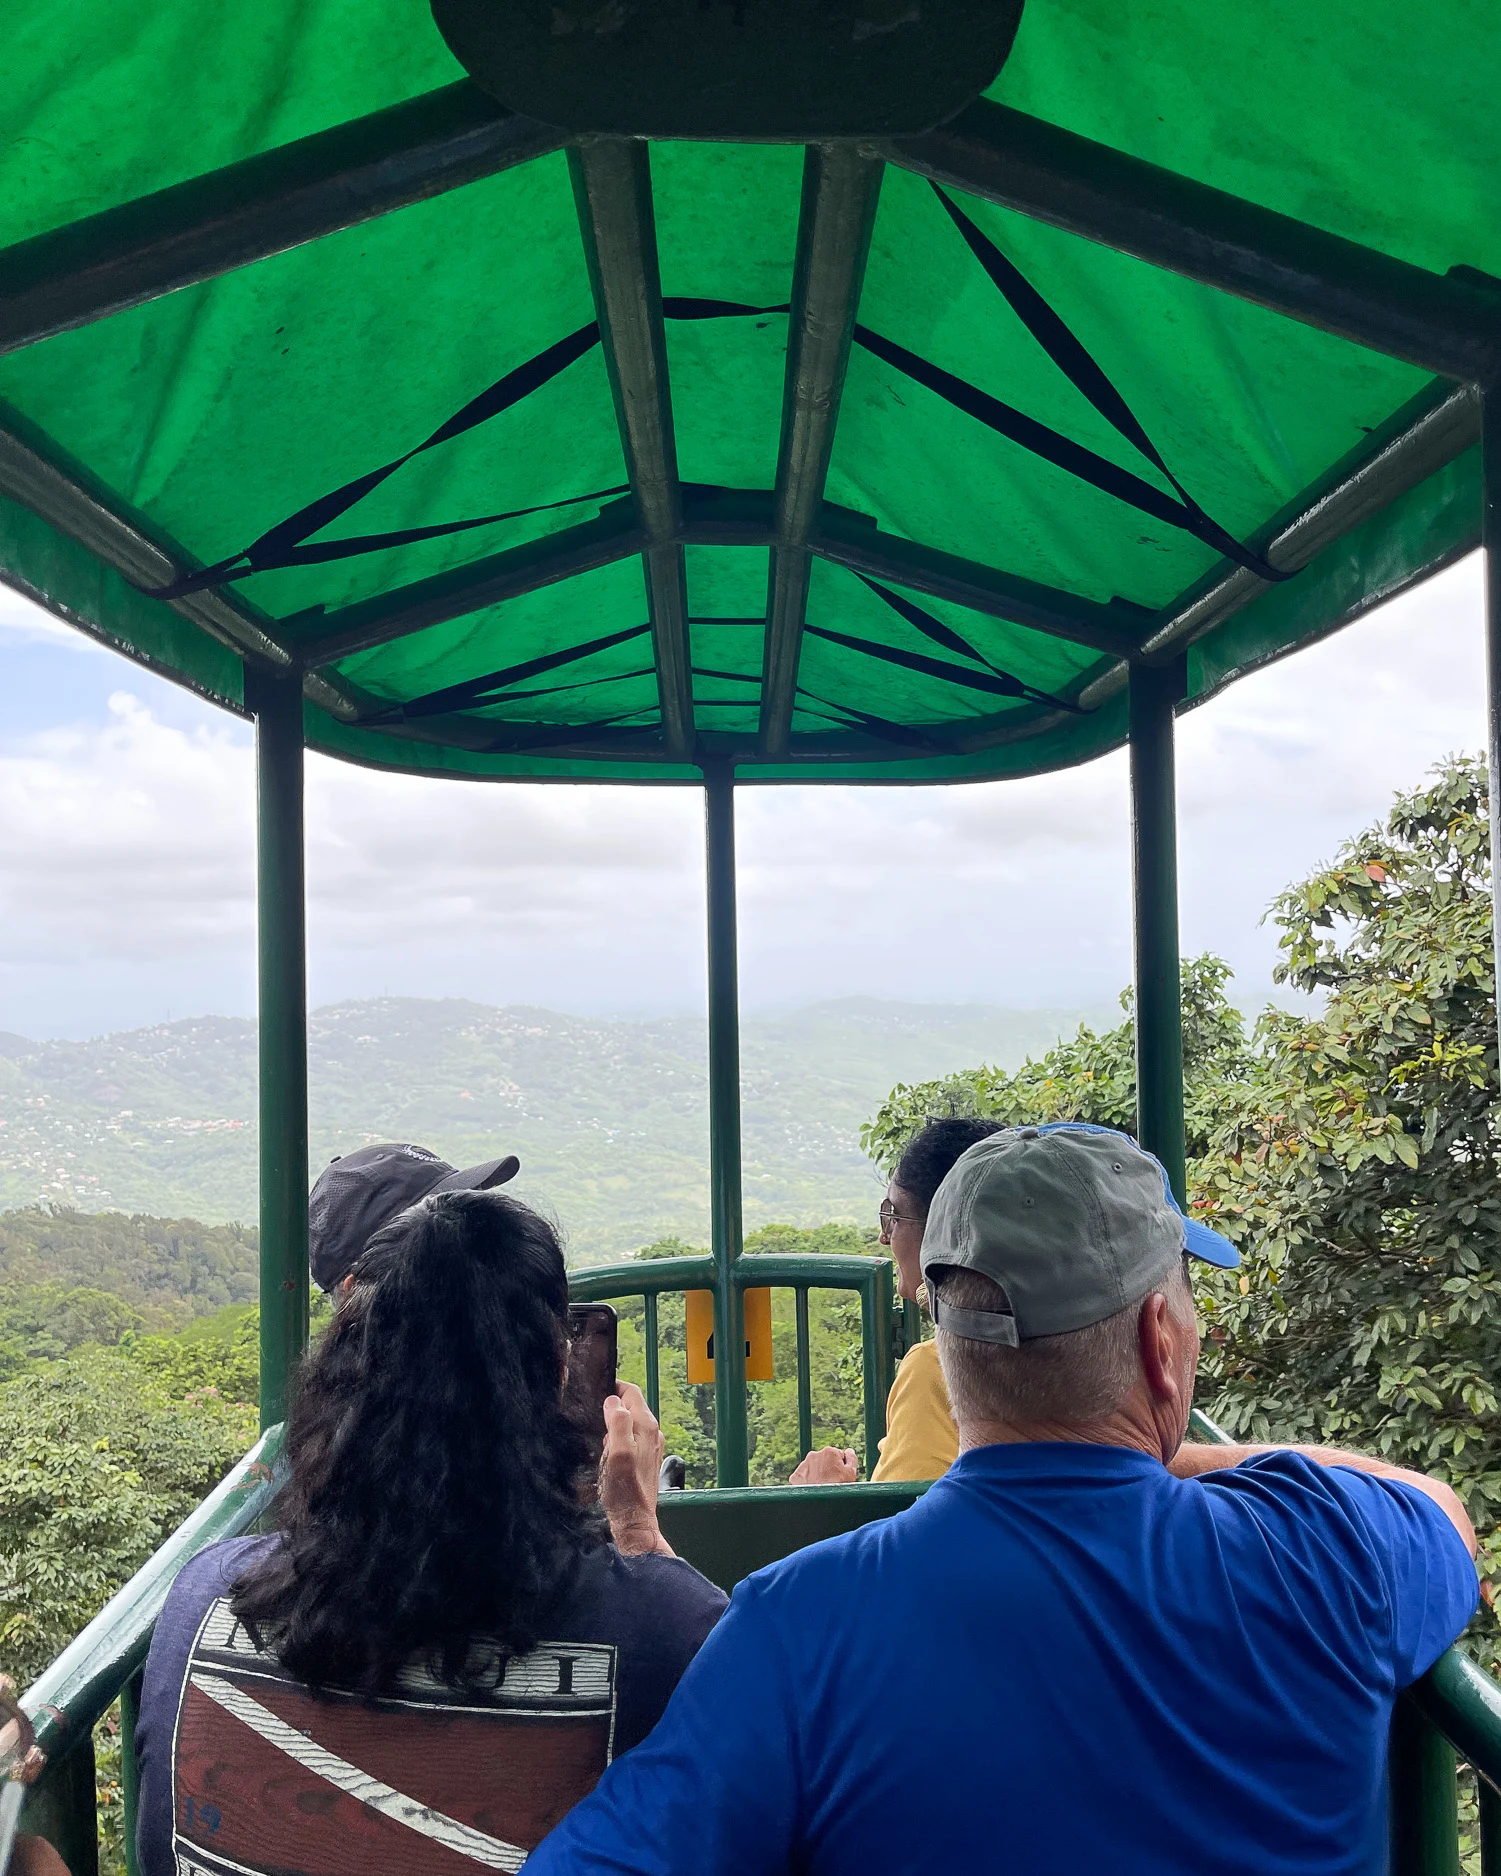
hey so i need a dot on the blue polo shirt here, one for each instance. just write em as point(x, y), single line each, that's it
point(1061, 1659)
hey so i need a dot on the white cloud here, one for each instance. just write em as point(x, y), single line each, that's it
point(1285, 765)
point(126, 869)
point(123, 838)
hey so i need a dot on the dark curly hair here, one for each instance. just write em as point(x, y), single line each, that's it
point(930, 1155)
point(434, 1472)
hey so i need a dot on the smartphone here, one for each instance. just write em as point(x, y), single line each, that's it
point(592, 1333)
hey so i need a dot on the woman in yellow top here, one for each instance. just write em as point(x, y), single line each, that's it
point(921, 1441)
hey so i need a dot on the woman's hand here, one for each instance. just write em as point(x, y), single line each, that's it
point(628, 1473)
point(830, 1465)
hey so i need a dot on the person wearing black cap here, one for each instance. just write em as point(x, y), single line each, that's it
point(1095, 1647)
point(358, 1193)
point(440, 1647)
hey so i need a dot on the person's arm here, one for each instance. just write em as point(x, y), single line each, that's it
point(714, 1788)
point(34, 1856)
point(1191, 1460)
point(628, 1473)
point(830, 1465)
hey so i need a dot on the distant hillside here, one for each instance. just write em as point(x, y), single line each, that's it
point(609, 1118)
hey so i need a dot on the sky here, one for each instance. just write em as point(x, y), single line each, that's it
point(127, 856)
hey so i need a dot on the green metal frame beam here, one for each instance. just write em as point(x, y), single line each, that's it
point(841, 187)
point(711, 517)
point(196, 230)
point(1429, 432)
point(319, 638)
point(747, 518)
point(612, 185)
point(1441, 322)
point(65, 500)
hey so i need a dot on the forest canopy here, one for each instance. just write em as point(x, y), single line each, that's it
point(1348, 1146)
point(1350, 1150)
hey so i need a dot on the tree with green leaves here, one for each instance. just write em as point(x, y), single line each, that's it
point(1356, 1164)
point(1350, 1151)
point(1088, 1077)
point(98, 1464)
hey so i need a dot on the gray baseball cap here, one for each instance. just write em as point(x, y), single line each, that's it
point(1074, 1222)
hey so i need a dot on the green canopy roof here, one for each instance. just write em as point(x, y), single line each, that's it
point(872, 460)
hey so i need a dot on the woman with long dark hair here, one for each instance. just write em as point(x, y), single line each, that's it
point(441, 1648)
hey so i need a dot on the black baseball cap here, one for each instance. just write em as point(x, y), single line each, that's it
point(357, 1193)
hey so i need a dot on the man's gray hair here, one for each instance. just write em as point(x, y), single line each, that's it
point(1065, 1379)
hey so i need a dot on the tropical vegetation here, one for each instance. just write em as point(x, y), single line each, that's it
point(1350, 1148)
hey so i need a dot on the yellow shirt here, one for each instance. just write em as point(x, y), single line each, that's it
point(921, 1441)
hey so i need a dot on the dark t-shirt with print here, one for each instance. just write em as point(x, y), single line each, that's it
point(246, 1772)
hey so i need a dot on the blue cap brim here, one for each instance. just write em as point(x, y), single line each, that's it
point(1199, 1241)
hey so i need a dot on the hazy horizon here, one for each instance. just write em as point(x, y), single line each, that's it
point(127, 869)
point(1098, 1014)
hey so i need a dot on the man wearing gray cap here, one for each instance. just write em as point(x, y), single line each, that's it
point(1089, 1646)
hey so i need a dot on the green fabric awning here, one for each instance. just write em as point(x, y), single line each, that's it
point(977, 577)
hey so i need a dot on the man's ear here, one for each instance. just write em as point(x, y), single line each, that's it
point(1158, 1343)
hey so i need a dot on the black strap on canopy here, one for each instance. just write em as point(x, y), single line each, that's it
point(1062, 451)
point(400, 713)
point(456, 696)
point(285, 544)
point(1070, 356)
point(530, 736)
point(996, 684)
point(906, 735)
point(951, 640)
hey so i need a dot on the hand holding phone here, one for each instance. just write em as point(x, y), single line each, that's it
point(628, 1472)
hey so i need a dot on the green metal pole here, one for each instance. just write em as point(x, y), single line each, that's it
point(1490, 1826)
point(877, 1307)
point(727, 1235)
point(1154, 690)
point(649, 1335)
point(804, 1376)
point(1424, 1797)
point(1490, 525)
point(130, 1771)
point(277, 702)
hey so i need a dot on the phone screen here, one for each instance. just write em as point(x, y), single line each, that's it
point(592, 1329)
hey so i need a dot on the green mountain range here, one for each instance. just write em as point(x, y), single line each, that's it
point(609, 1117)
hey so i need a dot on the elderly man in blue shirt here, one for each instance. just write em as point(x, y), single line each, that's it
point(1090, 1646)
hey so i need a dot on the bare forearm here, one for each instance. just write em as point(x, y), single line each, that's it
point(1192, 1459)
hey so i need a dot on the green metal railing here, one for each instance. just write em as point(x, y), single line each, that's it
point(1454, 1712)
point(103, 1664)
point(869, 1277)
point(1455, 1709)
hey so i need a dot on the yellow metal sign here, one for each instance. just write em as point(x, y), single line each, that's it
point(758, 1365)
